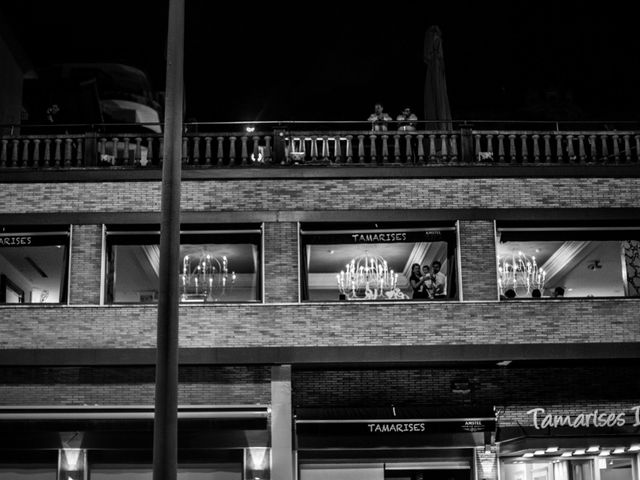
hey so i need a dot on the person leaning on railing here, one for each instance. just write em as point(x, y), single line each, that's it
point(406, 120)
point(379, 119)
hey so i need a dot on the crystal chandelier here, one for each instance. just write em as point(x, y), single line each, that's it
point(367, 277)
point(521, 274)
point(205, 278)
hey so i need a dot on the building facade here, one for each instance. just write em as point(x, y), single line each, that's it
point(303, 351)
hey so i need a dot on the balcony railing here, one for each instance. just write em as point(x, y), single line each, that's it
point(232, 145)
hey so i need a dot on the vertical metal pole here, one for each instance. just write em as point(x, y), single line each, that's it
point(165, 434)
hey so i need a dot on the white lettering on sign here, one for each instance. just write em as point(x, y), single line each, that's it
point(396, 427)
point(14, 241)
point(379, 237)
point(542, 419)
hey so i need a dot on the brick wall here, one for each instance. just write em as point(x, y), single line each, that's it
point(478, 260)
point(568, 390)
point(336, 324)
point(86, 251)
point(253, 195)
point(281, 262)
point(131, 385)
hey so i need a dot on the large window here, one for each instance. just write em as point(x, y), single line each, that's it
point(216, 265)
point(381, 261)
point(33, 264)
point(568, 261)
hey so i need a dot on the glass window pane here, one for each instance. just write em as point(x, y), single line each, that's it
point(569, 264)
point(33, 267)
point(214, 267)
point(377, 265)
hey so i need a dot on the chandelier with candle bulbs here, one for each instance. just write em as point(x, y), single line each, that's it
point(368, 277)
point(521, 274)
point(205, 278)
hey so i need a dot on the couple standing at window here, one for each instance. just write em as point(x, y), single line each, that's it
point(430, 283)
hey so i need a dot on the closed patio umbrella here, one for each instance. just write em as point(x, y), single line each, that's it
point(436, 100)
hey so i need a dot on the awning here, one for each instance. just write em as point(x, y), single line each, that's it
point(131, 427)
point(392, 427)
point(515, 441)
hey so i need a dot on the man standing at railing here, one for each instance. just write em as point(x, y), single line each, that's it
point(379, 119)
point(406, 121)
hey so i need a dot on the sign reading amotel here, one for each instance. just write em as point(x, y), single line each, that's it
point(541, 419)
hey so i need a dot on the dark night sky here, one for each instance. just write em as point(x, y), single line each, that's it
point(332, 60)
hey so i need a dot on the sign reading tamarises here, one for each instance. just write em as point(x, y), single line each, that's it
point(15, 241)
point(392, 237)
point(596, 418)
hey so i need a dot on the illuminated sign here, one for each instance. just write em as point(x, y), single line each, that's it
point(596, 418)
point(15, 241)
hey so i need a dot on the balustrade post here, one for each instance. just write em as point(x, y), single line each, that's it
point(512, 148)
point(582, 154)
point(627, 148)
point(57, 156)
point(137, 154)
point(220, 154)
point(420, 137)
point(115, 150)
point(185, 151)
point(196, 150)
point(466, 143)
point(407, 148)
point(605, 148)
point(3, 153)
point(325, 148)
point(127, 152)
point(536, 147)
point(36, 152)
point(25, 153)
point(79, 153)
point(501, 154)
point(313, 151)
point(349, 148)
point(244, 153)
point(232, 151)
point(396, 148)
point(524, 148)
point(478, 147)
point(637, 137)
point(256, 149)
point(432, 147)
point(14, 152)
point(385, 148)
point(570, 152)
point(616, 148)
point(267, 149)
point(559, 152)
point(207, 151)
point(454, 147)
point(374, 152)
point(337, 149)
point(490, 144)
point(593, 148)
point(361, 148)
point(444, 151)
point(47, 152)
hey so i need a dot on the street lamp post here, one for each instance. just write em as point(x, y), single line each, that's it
point(165, 433)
